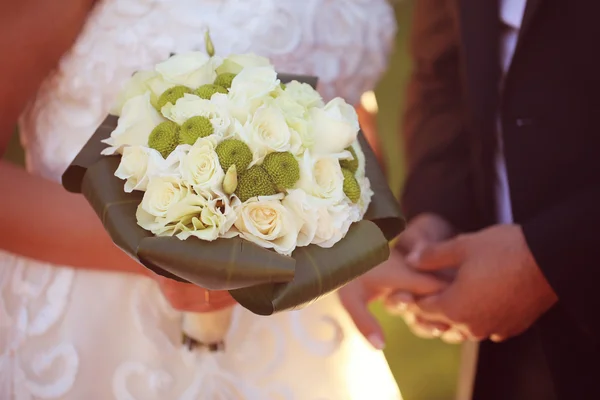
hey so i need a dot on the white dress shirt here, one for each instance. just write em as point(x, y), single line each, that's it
point(511, 15)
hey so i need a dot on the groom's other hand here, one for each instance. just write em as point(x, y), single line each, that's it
point(394, 279)
point(498, 290)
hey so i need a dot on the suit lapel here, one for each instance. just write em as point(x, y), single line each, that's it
point(480, 31)
point(531, 8)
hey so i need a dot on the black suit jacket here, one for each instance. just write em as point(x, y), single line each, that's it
point(549, 108)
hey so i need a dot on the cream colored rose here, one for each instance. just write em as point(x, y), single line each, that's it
point(321, 176)
point(254, 84)
point(193, 106)
point(138, 119)
point(162, 193)
point(268, 132)
point(335, 126)
point(304, 94)
point(235, 63)
point(269, 224)
point(192, 69)
point(139, 164)
point(201, 169)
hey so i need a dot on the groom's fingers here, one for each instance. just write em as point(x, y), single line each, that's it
point(440, 256)
point(355, 301)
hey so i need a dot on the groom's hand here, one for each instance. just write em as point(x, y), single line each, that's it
point(498, 290)
point(394, 281)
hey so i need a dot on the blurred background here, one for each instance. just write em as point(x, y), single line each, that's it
point(424, 369)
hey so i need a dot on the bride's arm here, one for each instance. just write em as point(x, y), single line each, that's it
point(34, 34)
point(38, 218)
point(41, 220)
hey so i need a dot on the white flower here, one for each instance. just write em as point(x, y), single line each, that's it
point(204, 219)
point(268, 132)
point(139, 164)
point(360, 155)
point(304, 94)
point(320, 223)
point(305, 209)
point(201, 169)
point(335, 126)
point(191, 69)
point(137, 85)
point(235, 63)
point(193, 106)
point(333, 225)
point(269, 224)
point(137, 121)
point(321, 176)
point(254, 84)
point(366, 194)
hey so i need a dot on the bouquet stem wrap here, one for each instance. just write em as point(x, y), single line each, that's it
point(261, 280)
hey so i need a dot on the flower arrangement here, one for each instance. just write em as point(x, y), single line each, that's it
point(224, 173)
point(221, 148)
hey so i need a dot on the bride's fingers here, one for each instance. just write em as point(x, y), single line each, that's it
point(355, 301)
point(398, 303)
point(192, 298)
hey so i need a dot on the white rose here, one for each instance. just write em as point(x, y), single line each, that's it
point(305, 209)
point(135, 124)
point(162, 193)
point(254, 84)
point(193, 106)
point(235, 63)
point(201, 169)
point(304, 94)
point(335, 126)
point(267, 223)
point(137, 85)
point(268, 132)
point(333, 224)
point(322, 177)
point(191, 69)
point(139, 164)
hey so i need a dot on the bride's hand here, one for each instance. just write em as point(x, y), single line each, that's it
point(191, 298)
point(394, 275)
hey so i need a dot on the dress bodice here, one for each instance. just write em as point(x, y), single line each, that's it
point(344, 42)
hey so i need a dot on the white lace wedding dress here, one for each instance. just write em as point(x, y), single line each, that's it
point(86, 335)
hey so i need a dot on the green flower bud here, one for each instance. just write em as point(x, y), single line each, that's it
point(351, 165)
point(253, 183)
point(171, 96)
point(351, 186)
point(210, 47)
point(283, 169)
point(224, 79)
point(194, 128)
point(164, 138)
point(230, 182)
point(206, 91)
point(234, 151)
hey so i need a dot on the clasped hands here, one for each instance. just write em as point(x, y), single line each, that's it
point(482, 285)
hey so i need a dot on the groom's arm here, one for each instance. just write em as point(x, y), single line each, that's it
point(565, 242)
point(436, 141)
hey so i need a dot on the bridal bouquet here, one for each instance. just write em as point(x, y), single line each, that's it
point(222, 173)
